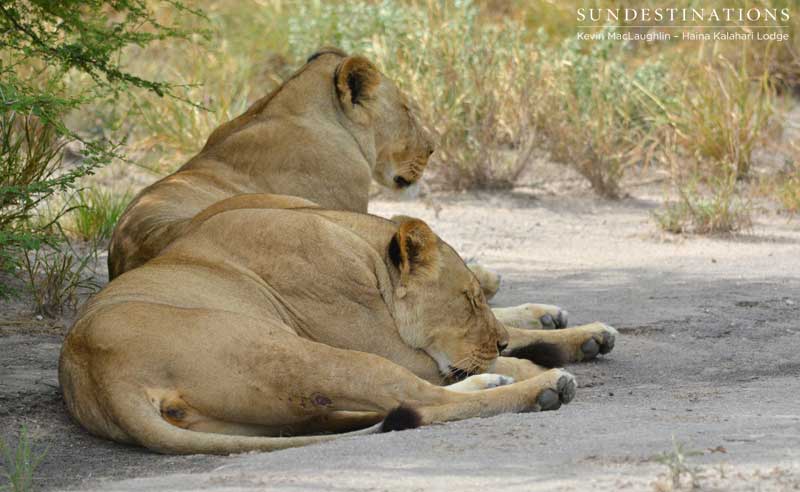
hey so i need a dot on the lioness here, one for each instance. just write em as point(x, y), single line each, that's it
point(323, 135)
point(261, 322)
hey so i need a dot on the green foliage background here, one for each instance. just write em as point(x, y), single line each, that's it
point(42, 45)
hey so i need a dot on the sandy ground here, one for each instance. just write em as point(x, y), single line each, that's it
point(709, 353)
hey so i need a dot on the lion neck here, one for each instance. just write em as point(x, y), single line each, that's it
point(297, 141)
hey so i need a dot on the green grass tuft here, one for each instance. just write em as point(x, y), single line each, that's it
point(94, 213)
point(20, 464)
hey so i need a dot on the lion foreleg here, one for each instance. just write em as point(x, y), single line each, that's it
point(579, 343)
point(518, 369)
point(532, 316)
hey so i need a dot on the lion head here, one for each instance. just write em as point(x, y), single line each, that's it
point(439, 305)
point(403, 143)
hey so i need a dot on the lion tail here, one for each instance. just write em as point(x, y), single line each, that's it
point(139, 418)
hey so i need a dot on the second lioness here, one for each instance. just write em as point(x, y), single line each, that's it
point(323, 135)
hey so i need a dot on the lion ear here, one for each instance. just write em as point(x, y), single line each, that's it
point(357, 81)
point(414, 250)
point(399, 219)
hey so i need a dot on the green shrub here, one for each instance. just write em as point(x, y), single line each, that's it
point(30, 175)
point(55, 58)
point(56, 275)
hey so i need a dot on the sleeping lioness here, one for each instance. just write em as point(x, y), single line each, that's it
point(262, 322)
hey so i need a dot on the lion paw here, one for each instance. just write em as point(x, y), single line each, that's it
point(561, 392)
point(601, 342)
point(481, 382)
point(532, 316)
point(554, 321)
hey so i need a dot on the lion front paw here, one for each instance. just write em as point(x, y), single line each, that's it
point(561, 390)
point(601, 342)
point(532, 316)
point(480, 382)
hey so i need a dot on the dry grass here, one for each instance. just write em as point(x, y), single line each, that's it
point(93, 214)
point(498, 80)
point(788, 183)
point(706, 208)
point(721, 113)
point(221, 74)
point(593, 110)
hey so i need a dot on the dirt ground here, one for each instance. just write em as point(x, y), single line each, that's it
point(709, 353)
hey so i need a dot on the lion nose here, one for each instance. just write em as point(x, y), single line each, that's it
point(402, 182)
point(501, 346)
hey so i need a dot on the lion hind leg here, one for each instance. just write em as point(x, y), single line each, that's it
point(175, 410)
point(144, 422)
point(303, 381)
point(179, 413)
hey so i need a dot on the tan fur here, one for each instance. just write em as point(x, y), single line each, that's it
point(418, 250)
point(490, 281)
point(526, 316)
point(310, 138)
point(284, 321)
